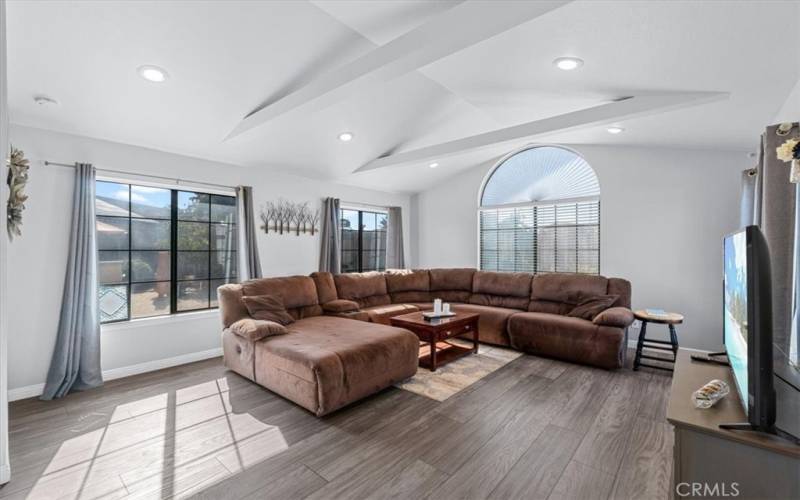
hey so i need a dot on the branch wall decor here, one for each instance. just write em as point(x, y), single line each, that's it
point(288, 217)
point(17, 178)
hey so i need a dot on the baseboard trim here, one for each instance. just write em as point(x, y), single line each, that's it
point(35, 390)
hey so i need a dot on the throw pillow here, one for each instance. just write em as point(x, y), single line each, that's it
point(268, 308)
point(590, 307)
point(257, 329)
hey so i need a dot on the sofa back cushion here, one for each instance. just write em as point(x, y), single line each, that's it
point(299, 293)
point(510, 290)
point(621, 287)
point(558, 293)
point(326, 288)
point(231, 305)
point(406, 285)
point(367, 289)
point(451, 285)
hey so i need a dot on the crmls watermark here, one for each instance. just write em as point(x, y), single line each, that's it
point(715, 490)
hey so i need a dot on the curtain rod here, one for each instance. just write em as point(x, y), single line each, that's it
point(175, 179)
point(367, 205)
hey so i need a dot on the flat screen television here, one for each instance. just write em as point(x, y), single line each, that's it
point(747, 325)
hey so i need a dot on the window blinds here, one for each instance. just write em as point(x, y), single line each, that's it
point(541, 238)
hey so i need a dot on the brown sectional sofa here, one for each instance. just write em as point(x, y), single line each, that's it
point(328, 360)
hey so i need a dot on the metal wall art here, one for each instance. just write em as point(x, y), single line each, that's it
point(17, 178)
point(288, 217)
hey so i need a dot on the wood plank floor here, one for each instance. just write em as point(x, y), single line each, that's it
point(536, 428)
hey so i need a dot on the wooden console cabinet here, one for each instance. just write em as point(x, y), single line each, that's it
point(725, 464)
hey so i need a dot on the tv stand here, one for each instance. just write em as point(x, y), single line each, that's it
point(710, 449)
point(745, 426)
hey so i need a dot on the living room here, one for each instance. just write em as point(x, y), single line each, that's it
point(418, 249)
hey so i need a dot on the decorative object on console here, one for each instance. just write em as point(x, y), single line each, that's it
point(289, 217)
point(789, 152)
point(708, 395)
point(17, 179)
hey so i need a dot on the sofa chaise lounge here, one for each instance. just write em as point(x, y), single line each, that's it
point(340, 348)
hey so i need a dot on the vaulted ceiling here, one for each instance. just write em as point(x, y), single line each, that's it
point(329, 66)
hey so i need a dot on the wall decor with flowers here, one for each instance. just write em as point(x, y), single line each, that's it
point(17, 179)
point(789, 152)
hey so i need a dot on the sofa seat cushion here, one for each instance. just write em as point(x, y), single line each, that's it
point(340, 306)
point(492, 326)
point(381, 314)
point(568, 338)
point(326, 362)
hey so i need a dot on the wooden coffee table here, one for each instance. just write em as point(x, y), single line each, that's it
point(436, 334)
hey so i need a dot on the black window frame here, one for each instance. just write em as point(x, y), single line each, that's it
point(360, 268)
point(173, 250)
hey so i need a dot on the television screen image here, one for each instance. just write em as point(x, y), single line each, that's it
point(736, 321)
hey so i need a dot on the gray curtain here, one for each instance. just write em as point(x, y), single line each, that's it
point(794, 334)
point(776, 200)
point(747, 209)
point(75, 364)
point(394, 239)
point(330, 257)
point(247, 226)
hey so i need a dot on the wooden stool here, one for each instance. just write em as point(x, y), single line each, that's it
point(669, 319)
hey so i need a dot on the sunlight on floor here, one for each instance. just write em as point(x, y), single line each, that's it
point(171, 444)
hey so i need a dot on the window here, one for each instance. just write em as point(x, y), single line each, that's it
point(162, 251)
point(540, 212)
point(363, 240)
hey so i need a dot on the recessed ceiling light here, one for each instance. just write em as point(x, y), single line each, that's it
point(568, 63)
point(346, 136)
point(153, 73)
point(615, 130)
point(43, 100)
point(433, 165)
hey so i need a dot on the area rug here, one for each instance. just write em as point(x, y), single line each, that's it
point(460, 374)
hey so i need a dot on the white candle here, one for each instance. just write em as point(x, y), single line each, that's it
point(437, 306)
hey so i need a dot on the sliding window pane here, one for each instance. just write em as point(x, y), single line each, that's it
point(151, 202)
point(192, 265)
point(223, 208)
point(149, 299)
point(223, 264)
point(349, 261)
point(150, 234)
point(193, 206)
point(150, 265)
point(349, 219)
point(111, 198)
point(113, 267)
point(112, 233)
point(192, 295)
point(223, 237)
point(192, 236)
point(113, 303)
point(349, 240)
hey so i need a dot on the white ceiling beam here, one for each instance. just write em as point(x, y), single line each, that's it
point(627, 108)
point(457, 28)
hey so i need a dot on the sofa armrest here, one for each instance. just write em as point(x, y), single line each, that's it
point(340, 306)
point(621, 317)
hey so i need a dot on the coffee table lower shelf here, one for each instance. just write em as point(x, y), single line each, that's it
point(445, 353)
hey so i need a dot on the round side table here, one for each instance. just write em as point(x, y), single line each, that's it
point(669, 319)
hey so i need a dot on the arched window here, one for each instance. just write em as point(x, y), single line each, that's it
point(540, 212)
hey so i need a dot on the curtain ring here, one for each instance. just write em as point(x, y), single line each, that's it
point(784, 128)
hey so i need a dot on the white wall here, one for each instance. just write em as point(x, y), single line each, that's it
point(37, 260)
point(5, 471)
point(663, 215)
